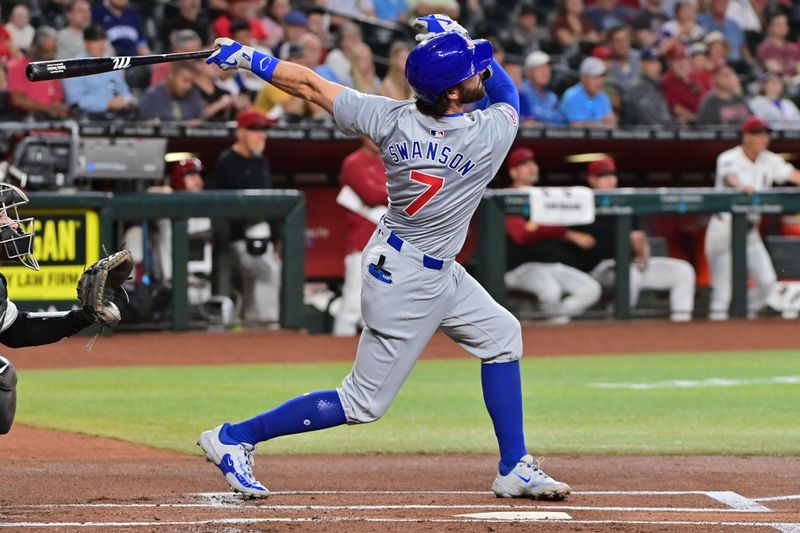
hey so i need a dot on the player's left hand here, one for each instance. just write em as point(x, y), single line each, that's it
point(431, 25)
point(98, 284)
point(231, 55)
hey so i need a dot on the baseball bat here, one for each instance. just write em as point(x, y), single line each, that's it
point(71, 68)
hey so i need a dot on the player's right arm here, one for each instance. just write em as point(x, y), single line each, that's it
point(727, 172)
point(292, 78)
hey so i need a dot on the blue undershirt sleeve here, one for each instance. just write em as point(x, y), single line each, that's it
point(500, 87)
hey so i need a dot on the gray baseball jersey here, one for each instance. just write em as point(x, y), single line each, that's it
point(437, 168)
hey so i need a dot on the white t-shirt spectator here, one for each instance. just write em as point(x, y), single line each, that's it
point(22, 38)
point(780, 115)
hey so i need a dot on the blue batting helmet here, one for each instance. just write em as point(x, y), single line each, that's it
point(444, 61)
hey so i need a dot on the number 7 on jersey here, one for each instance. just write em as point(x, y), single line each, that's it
point(434, 183)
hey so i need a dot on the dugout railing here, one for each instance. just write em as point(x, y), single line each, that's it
point(286, 206)
point(624, 204)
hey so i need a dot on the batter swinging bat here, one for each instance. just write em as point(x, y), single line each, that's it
point(72, 68)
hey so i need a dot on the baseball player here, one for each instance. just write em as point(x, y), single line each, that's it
point(364, 174)
point(439, 161)
point(19, 329)
point(749, 168)
point(660, 273)
point(536, 254)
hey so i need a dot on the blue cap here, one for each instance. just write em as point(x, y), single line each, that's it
point(295, 18)
point(648, 54)
point(443, 62)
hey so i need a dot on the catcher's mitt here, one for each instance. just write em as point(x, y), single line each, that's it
point(98, 284)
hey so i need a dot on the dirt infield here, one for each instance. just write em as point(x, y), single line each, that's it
point(65, 482)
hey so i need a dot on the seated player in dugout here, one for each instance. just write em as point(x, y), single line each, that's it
point(537, 256)
point(647, 272)
point(19, 329)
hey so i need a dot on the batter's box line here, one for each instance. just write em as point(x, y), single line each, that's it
point(735, 502)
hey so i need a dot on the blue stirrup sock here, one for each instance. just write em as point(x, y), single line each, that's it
point(309, 412)
point(502, 394)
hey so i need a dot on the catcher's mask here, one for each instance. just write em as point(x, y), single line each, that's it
point(16, 242)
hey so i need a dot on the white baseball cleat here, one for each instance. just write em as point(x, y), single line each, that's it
point(527, 480)
point(234, 460)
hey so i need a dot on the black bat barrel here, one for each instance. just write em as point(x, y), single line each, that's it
point(86, 66)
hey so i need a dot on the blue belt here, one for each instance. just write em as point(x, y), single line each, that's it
point(427, 261)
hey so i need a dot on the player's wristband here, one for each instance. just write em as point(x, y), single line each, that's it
point(263, 65)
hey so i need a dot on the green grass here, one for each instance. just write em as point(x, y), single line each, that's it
point(440, 409)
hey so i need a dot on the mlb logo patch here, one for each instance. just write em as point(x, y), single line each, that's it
point(437, 134)
point(510, 114)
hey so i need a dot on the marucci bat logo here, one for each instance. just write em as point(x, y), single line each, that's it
point(121, 62)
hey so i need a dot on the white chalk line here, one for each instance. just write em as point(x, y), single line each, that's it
point(386, 507)
point(691, 384)
point(777, 498)
point(784, 527)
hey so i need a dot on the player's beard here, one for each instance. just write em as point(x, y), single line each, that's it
point(471, 95)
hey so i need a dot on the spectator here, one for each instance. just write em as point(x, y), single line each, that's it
point(123, 25)
point(273, 21)
point(684, 26)
point(718, 49)
point(395, 85)
point(339, 59)
point(355, 8)
point(363, 172)
point(542, 103)
point(624, 68)
point(715, 20)
point(70, 38)
point(223, 98)
point(44, 98)
point(647, 24)
point(607, 14)
point(523, 35)
point(180, 41)
point(7, 48)
point(644, 105)
point(317, 23)
point(514, 70)
point(536, 254)
point(363, 75)
point(240, 11)
point(312, 53)
point(174, 100)
point(295, 25)
point(776, 53)
point(191, 17)
point(747, 14)
point(391, 10)
point(749, 168)
point(242, 167)
point(660, 273)
point(571, 26)
point(701, 66)
point(682, 89)
point(771, 107)
point(104, 93)
point(19, 27)
point(610, 87)
point(724, 105)
point(585, 105)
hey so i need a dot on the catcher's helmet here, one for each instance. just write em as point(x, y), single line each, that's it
point(16, 234)
point(444, 61)
point(183, 167)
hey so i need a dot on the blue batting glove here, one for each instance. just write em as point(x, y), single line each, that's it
point(231, 55)
point(437, 23)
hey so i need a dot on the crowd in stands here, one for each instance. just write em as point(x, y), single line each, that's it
point(579, 63)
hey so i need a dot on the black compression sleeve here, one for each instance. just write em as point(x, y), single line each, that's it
point(33, 331)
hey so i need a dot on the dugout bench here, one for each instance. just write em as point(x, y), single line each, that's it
point(286, 205)
point(624, 204)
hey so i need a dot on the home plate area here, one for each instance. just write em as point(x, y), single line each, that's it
point(420, 511)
